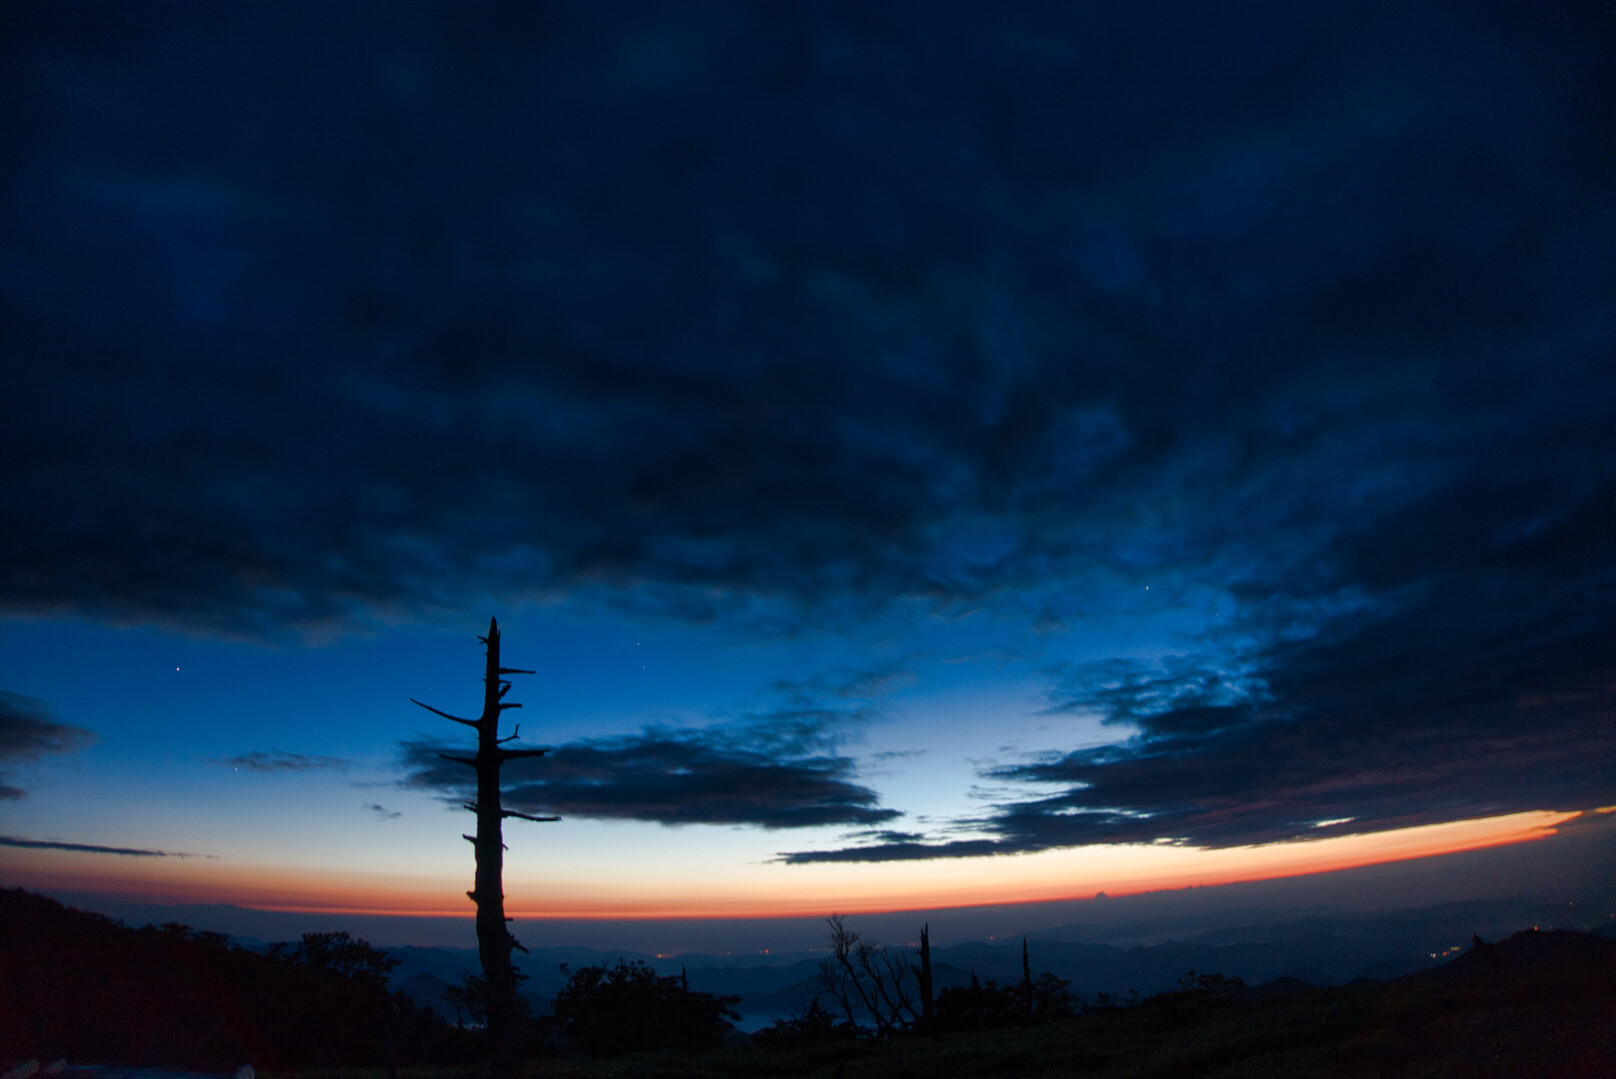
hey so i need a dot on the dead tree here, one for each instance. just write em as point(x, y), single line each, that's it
point(866, 981)
point(494, 939)
point(923, 976)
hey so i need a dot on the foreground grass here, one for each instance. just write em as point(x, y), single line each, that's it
point(1526, 1024)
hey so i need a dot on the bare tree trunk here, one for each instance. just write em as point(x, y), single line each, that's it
point(923, 976)
point(494, 940)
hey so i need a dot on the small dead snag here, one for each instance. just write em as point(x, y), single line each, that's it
point(923, 976)
point(494, 939)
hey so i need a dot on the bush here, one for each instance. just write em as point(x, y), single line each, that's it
point(1193, 984)
point(812, 1025)
point(986, 1007)
point(629, 1008)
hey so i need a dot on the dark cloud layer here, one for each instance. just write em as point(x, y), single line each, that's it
point(668, 777)
point(1484, 687)
point(28, 731)
point(736, 304)
point(739, 311)
point(778, 767)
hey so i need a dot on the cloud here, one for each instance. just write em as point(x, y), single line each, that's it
point(1301, 318)
point(277, 761)
point(28, 731)
point(902, 851)
point(815, 315)
point(90, 848)
point(819, 713)
point(1476, 683)
point(1601, 819)
point(382, 812)
point(774, 767)
point(847, 684)
point(668, 777)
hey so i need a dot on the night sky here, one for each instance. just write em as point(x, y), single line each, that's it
point(929, 454)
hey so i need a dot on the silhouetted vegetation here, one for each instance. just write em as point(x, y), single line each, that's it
point(1544, 1014)
point(335, 952)
point(812, 1025)
point(83, 986)
point(989, 1006)
point(923, 977)
point(868, 984)
point(867, 981)
point(468, 1000)
point(630, 1008)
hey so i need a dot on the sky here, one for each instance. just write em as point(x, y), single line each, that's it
point(929, 455)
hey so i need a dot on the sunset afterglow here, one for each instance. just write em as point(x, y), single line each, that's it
point(729, 891)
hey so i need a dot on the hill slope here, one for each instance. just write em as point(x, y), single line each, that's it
point(82, 986)
point(1544, 1006)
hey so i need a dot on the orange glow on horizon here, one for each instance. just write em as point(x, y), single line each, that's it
point(774, 890)
point(1153, 868)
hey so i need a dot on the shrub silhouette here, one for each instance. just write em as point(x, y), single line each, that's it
point(813, 1025)
point(630, 1008)
point(1194, 984)
point(342, 955)
point(469, 999)
point(986, 1007)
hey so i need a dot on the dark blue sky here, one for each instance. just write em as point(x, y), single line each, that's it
point(1025, 426)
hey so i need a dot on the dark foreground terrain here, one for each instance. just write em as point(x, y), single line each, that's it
point(80, 986)
point(1534, 1005)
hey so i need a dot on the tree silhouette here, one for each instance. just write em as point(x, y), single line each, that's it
point(812, 1024)
point(467, 999)
point(866, 980)
point(923, 976)
point(494, 940)
point(342, 954)
point(630, 1008)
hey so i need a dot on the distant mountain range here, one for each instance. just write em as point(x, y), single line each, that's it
point(1319, 950)
point(1366, 994)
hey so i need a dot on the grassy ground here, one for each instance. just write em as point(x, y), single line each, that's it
point(1520, 1024)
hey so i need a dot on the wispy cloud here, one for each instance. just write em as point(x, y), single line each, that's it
point(278, 761)
point(900, 851)
point(382, 812)
point(91, 848)
point(28, 731)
